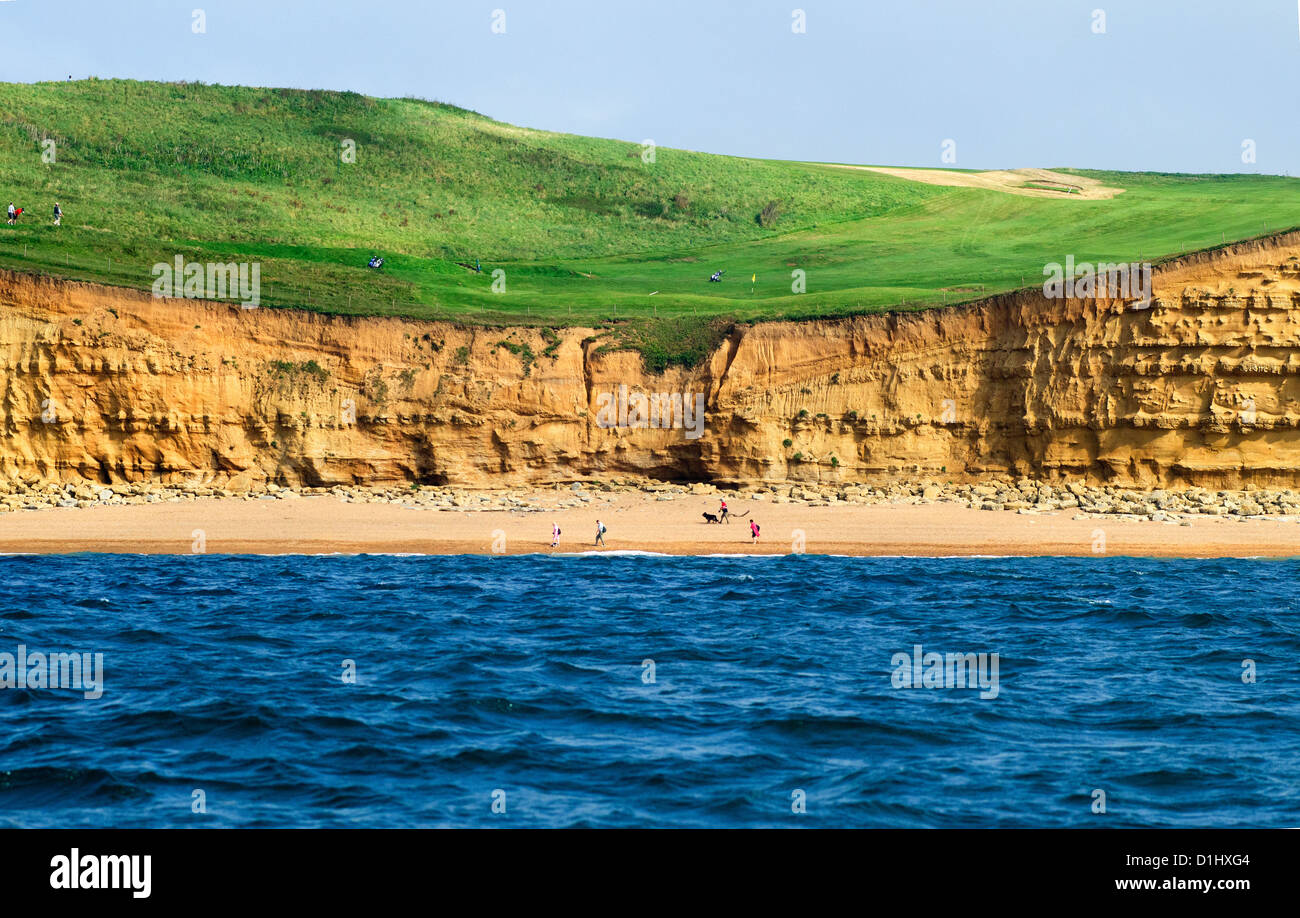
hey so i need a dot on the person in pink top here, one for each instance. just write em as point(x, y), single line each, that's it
point(753, 531)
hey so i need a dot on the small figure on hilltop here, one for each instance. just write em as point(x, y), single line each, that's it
point(715, 277)
point(58, 214)
point(375, 262)
point(600, 533)
point(13, 214)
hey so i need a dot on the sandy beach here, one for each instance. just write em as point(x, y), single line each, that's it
point(635, 522)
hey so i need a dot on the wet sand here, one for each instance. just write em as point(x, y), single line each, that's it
point(636, 522)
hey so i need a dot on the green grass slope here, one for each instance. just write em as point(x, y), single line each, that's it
point(584, 229)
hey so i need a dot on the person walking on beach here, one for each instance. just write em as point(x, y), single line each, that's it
point(600, 533)
point(555, 535)
point(58, 215)
point(753, 531)
point(722, 511)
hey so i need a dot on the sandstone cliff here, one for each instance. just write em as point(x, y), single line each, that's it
point(1201, 388)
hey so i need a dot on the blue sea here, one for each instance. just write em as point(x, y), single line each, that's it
point(652, 691)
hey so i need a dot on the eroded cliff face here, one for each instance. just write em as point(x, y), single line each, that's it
point(1201, 388)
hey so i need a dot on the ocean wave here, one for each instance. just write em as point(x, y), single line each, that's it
point(651, 689)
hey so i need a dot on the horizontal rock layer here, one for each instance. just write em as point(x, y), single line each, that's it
point(1201, 388)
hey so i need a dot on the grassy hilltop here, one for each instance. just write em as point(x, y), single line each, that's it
point(584, 228)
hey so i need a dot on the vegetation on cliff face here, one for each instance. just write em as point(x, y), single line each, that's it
point(680, 341)
point(567, 230)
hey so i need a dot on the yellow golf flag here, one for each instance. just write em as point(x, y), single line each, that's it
point(753, 278)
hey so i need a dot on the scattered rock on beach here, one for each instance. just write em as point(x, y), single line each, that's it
point(1081, 501)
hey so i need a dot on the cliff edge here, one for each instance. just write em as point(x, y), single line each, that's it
point(1201, 388)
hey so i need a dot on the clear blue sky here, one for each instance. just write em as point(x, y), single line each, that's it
point(1172, 85)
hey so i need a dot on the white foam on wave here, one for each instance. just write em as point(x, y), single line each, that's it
point(615, 553)
point(947, 557)
point(324, 554)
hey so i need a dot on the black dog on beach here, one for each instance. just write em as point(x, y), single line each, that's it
point(713, 517)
